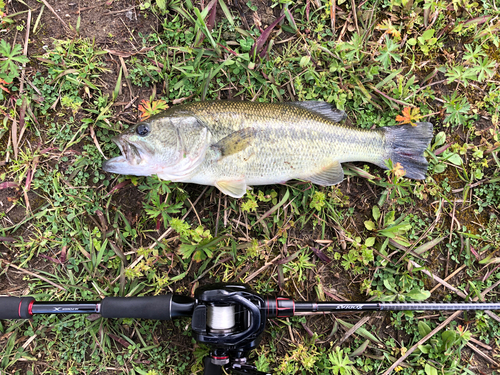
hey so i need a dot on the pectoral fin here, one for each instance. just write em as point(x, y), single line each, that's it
point(331, 174)
point(235, 142)
point(233, 188)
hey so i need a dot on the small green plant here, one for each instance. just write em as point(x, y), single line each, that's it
point(351, 51)
point(359, 256)
point(340, 363)
point(73, 103)
point(252, 203)
point(197, 244)
point(2, 8)
point(448, 156)
point(161, 5)
point(427, 41)
point(457, 109)
point(10, 58)
point(479, 62)
point(441, 348)
point(74, 65)
point(318, 200)
point(162, 199)
point(388, 226)
point(252, 7)
point(298, 267)
point(387, 53)
point(461, 74)
point(399, 288)
point(301, 358)
point(396, 187)
point(489, 195)
point(249, 205)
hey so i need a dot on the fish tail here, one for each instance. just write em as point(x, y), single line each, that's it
point(405, 144)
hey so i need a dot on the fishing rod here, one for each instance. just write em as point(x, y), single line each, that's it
point(230, 318)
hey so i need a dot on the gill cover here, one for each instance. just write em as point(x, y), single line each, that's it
point(193, 139)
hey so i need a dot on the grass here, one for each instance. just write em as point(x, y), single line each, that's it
point(69, 231)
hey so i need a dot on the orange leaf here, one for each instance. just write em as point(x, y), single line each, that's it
point(148, 109)
point(409, 116)
point(3, 82)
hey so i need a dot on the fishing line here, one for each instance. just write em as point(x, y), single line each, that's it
point(221, 319)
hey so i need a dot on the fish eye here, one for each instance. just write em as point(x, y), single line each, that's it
point(142, 130)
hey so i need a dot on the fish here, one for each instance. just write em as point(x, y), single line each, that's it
point(234, 145)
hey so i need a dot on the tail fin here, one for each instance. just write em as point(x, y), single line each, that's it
point(405, 144)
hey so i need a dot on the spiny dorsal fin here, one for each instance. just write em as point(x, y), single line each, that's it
point(323, 109)
point(331, 174)
point(235, 142)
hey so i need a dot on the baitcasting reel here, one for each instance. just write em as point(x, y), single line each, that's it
point(229, 318)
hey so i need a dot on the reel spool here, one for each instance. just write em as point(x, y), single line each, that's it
point(221, 319)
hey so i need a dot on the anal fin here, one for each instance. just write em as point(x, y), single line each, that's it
point(330, 174)
point(233, 188)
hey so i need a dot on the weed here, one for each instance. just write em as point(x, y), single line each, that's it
point(387, 53)
point(198, 243)
point(360, 256)
point(461, 74)
point(457, 109)
point(299, 266)
point(162, 199)
point(340, 363)
point(426, 42)
point(388, 226)
point(10, 57)
point(410, 115)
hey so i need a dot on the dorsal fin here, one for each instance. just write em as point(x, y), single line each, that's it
point(324, 109)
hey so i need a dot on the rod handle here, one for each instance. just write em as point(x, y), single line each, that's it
point(16, 307)
point(149, 307)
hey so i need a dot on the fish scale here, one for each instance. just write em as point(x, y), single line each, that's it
point(236, 144)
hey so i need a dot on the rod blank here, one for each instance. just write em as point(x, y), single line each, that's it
point(420, 306)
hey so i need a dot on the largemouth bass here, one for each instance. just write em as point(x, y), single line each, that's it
point(234, 144)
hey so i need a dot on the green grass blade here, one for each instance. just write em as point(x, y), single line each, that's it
point(226, 11)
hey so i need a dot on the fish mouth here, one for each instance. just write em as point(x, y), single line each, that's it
point(131, 159)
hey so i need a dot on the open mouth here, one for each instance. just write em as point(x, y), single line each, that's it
point(131, 157)
point(129, 151)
